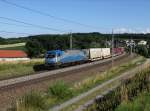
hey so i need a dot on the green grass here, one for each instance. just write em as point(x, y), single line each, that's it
point(15, 69)
point(140, 103)
point(60, 90)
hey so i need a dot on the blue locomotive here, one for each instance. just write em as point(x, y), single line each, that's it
point(58, 57)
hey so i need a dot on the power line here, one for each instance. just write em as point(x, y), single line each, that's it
point(49, 15)
point(33, 25)
point(3, 31)
point(6, 23)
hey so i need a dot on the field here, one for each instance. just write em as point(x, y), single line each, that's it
point(15, 69)
point(12, 45)
point(17, 46)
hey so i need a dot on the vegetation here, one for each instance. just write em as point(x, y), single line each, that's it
point(53, 42)
point(4, 41)
point(34, 48)
point(15, 48)
point(32, 101)
point(80, 41)
point(126, 92)
point(142, 50)
point(139, 103)
point(12, 45)
point(60, 91)
point(15, 69)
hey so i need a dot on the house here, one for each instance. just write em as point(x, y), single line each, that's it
point(13, 55)
point(142, 42)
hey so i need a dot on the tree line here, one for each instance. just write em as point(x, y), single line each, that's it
point(37, 45)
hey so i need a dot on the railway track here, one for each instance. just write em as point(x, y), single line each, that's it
point(10, 92)
point(5, 84)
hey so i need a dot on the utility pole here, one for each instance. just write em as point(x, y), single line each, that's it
point(131, 44)
point(70, 40)
point(112, 47)
point(106, 43)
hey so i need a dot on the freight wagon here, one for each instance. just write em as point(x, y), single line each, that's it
point(117, 51)
point(58, 57)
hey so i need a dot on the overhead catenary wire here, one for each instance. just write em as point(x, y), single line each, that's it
point(6, 23)
point(33, 25)
point(3, 31)
point(50, 15)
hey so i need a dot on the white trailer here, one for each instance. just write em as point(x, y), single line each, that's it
point(97, 53)
point(106, 53)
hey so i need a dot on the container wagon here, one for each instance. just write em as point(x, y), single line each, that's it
point(117, 51)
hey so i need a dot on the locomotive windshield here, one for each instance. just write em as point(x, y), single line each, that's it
point(50, 56)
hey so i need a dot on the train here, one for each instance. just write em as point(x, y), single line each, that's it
point(58, 58)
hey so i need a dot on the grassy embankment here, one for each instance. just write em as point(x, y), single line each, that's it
point(20, 68)
point(125, 93)
point(60, 92)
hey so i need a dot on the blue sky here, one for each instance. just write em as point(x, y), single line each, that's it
point(103, 15)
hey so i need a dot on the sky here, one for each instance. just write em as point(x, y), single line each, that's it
point(96, 15)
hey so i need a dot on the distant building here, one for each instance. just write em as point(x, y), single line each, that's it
point(142, 42)
point(131, 42)
point(13, 55)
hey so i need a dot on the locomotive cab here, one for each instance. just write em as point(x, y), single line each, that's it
point(52, 57)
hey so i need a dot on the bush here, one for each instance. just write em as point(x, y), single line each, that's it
point(60, 90)
point(142, 50)
point(30, 102)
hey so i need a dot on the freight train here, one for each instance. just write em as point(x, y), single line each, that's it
point(59, 58)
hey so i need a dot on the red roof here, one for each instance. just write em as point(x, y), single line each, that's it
point(12, 54)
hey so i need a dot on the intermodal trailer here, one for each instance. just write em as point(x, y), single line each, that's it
point(97, 53)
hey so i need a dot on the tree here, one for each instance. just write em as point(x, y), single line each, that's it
point(34, 48)
point(2, 41)
point(142, 50)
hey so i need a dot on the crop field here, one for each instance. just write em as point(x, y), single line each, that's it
point(15, 69)
point(59, 91)
point(17, 46)
point(14, 48)
point(12, 45)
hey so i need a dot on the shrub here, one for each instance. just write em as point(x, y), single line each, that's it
point(142, 50)
point(60, 90)
point(30, 102)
